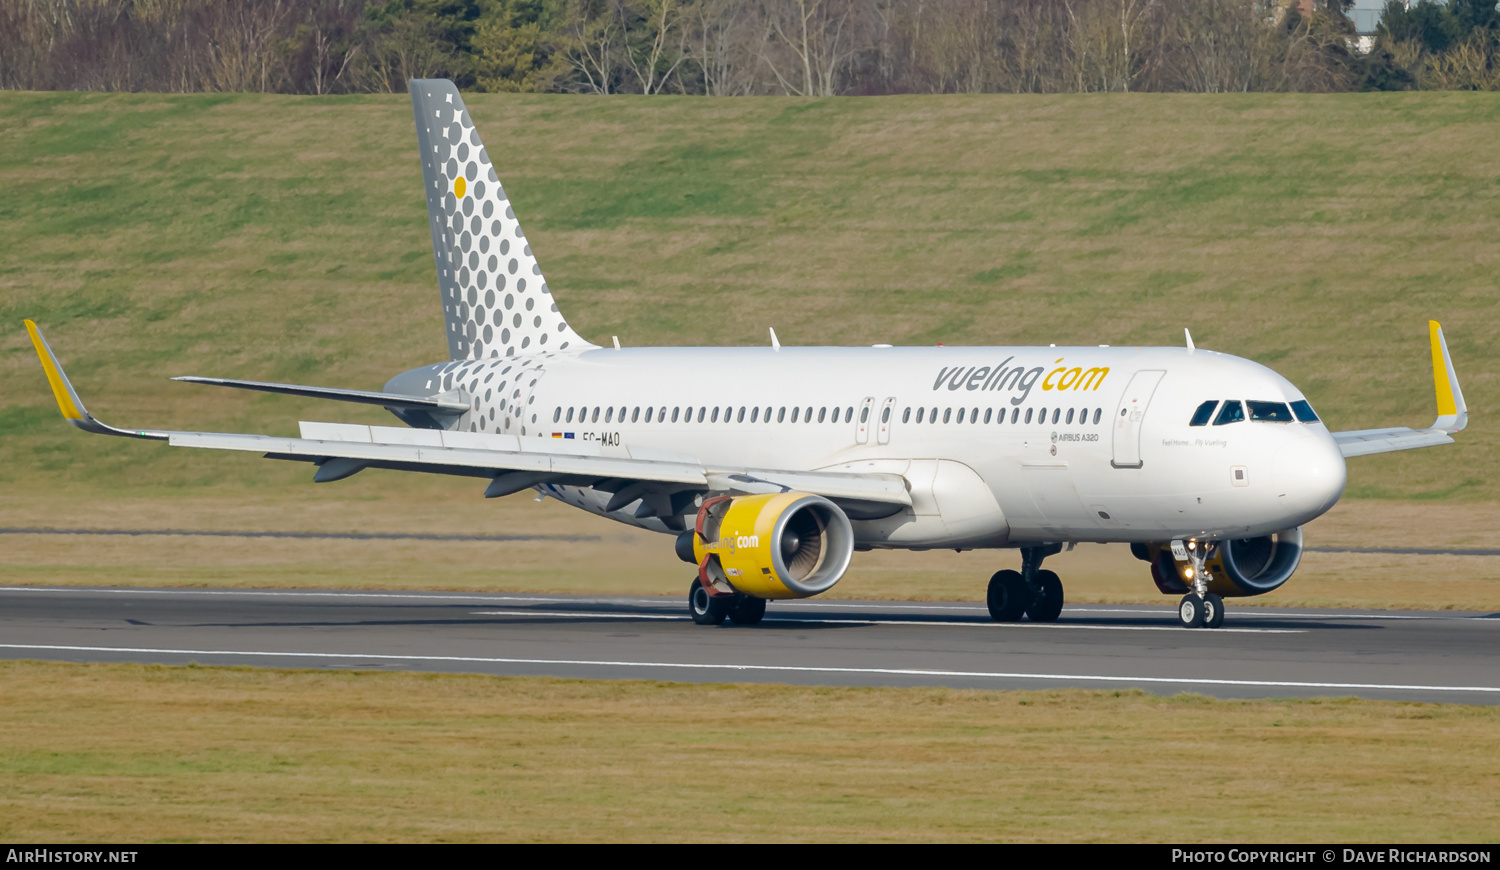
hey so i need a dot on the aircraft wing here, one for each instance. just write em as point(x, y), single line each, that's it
point(656, 478)
point(1363, 442)
point(1453, 413)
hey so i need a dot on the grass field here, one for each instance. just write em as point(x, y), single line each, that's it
point(284, 238)
point(127, 753)
point(609, 558)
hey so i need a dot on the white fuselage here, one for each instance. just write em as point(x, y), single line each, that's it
point(999, 446)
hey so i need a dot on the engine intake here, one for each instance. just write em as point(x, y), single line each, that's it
point(1237, 568)
point(777, 545)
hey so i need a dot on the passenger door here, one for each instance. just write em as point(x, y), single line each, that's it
point(1128, 417)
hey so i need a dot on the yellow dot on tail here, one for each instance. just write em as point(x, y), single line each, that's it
point(458, 187)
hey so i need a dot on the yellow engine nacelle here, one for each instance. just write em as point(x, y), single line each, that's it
point(779, 545)
point(1237, 568)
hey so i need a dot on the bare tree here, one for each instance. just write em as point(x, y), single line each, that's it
point(660, 42)
point(724, 43)
point(813, 42)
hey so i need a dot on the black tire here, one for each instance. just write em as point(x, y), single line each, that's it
point(747, 610)
point(1047, 605)
point(1008, 596)
point(1213, 611)
point(707, 609)
point(1190, 611)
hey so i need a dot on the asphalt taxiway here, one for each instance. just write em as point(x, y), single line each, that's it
point(1441, 656)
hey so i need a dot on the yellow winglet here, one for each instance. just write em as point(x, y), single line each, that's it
point(67, 399)
point(1453, 414)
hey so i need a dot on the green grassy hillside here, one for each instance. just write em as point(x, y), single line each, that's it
point(285, 238)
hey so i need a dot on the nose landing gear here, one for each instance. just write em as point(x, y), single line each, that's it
point(1032, 591)
point(1199, 608)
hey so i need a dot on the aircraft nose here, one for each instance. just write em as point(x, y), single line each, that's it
point(1309, 475)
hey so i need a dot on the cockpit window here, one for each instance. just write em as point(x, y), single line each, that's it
point(1232, 412)
point(1304, 411)
point(1270, 412)
point(1204, 413)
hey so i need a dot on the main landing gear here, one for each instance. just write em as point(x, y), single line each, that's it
point(1199, 608)
point(740, 609)
point(1032, 591)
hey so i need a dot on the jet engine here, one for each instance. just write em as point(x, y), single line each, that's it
point(776, 545)
point(1237, 568)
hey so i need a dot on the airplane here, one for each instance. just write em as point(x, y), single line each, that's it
point(771, 466)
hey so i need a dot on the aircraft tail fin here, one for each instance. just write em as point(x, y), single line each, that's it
point(496, 303)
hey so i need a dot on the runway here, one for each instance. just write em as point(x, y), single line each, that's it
point(1440, 656)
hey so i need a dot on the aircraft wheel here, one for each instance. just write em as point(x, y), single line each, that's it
point(1190, 611)
point(707, 609)
point(747, 610)
point(1213, 611)
point(1007, 596)
point(1047, 605)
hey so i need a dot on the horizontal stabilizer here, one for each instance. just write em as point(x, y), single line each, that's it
point(363, 397)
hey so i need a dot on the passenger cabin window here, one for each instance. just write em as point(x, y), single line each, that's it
point(885, 414)
point(906, 416)
point(557, 415)
point(947, 414)
point(609, 414)
point(674, 414)
point(848, 413)
point(1028, 414)
point(822, 414)
point(1097, 412)
point(1304, 411)
point(988, 412)
point(781, 415)
point(1269, 412)
point(1232, 412)
point(635, 414)
point(740, 418)
point(701, 412)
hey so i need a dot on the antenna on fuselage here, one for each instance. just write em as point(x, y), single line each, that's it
point(1189, 336)
point(775, 343)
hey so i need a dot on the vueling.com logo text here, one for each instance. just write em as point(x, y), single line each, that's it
point(1019, 379)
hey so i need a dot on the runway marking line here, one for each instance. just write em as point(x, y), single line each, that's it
point(583, 614)
point(899, 672)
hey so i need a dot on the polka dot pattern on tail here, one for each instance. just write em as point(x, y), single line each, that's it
point(463, 193)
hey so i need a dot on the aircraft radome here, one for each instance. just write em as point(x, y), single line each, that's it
point(1206, 464)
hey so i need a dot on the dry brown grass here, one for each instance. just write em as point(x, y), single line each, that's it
point(610, 558)
point(131, 753)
